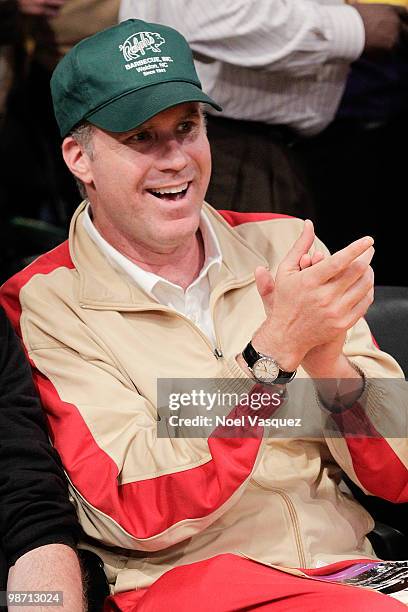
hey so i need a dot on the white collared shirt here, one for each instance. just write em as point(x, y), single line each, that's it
point(281, 63)
point(194, 302)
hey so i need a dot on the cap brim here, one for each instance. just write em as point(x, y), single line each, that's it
point(134, 108)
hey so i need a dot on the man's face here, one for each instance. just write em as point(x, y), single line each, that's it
point(147, 185)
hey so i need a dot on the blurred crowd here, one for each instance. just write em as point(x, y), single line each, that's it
point(315, 114)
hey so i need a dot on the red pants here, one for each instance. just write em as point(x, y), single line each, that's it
point(228, 583)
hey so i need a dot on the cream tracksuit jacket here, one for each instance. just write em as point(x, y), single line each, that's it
point(98, 344)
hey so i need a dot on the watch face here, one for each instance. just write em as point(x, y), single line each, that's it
point(265, 370)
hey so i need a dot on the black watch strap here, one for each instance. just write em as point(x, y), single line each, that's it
point(251, 356)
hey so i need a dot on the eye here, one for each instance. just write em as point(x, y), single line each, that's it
point(140, 137)
point(187, 126)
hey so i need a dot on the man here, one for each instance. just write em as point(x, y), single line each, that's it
point(273, 62)
point(153, 284)
point(38, 526)
point(286, 140)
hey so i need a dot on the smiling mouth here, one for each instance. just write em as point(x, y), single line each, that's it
point(170, 193)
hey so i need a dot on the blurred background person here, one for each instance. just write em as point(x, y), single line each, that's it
point(33, 176)
point(37, 193)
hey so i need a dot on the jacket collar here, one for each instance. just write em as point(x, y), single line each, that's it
point(102, 287)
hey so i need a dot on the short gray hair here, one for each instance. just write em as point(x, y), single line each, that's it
point(82, 134)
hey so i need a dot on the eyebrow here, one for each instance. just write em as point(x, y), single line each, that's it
point(192, 113)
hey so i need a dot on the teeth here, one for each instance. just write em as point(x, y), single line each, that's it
point(165, 190)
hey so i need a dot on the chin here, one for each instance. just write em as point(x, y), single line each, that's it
point(180, 229)
point(184, 214)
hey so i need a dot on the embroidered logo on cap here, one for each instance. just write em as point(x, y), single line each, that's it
point(140, 42)
point(136, 46)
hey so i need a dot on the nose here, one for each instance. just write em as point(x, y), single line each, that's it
point(172, 156)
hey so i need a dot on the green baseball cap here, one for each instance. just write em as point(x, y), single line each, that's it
point(121, 77)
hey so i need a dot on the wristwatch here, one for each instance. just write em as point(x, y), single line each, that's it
point(265, 368)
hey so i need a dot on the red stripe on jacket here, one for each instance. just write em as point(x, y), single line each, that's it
point(376, 465)
point(142, 508)
point(238, 218)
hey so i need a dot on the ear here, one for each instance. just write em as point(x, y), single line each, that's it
point(77, 160)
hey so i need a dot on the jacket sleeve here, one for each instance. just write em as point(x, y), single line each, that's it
point(35, 509)
point(370, 439)
point(296, 36)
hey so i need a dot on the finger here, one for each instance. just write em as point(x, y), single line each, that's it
point(265, 286)
point(317, 257)
point(51, 12)
point(357, 292)
point(305, 261)
point(39, 5)
point(31, 10)
point(302, 245)
point(310, 260)
point(264, 281)
point(337, 263)
point(345, 279)
point(47, 11)
point(360, 309)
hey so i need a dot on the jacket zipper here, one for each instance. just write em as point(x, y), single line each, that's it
point(294, 519)
point(217, 351)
